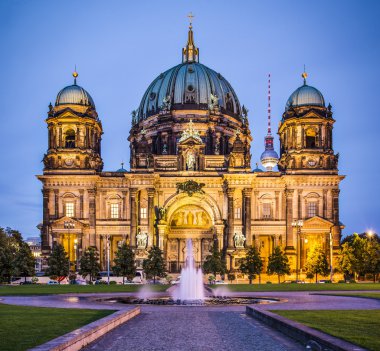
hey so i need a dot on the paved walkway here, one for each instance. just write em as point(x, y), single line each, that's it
point(196, 328)
point(193, 328)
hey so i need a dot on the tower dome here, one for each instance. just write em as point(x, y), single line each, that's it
point(74, 95)
point(305, 95)
point(189, 85)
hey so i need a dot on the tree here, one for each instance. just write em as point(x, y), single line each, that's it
point(124, 262)
point(231, 277)
point(359, 255)
point(58, 262)
point(89, 263)
point(252, 264)
point(214, 263)
point(25, 261)
point(154, 265)
point(278, 263)
point(10, 243)
point(317, 263)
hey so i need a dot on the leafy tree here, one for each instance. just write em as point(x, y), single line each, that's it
point(317, 263)
point(89, 263)
point(154, 265)
point(372, 257)
point(25, 261)
point(231, 277)
point(58, 262)
point(252, 264)
point(278, 263)
point(214, 263)
point(12, 252)
point(124, 262)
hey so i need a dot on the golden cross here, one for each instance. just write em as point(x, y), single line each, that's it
point(190, 16)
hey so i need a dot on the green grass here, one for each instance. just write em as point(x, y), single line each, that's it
point(24, 327)
point(355, 326)
point(374, 295)
point(299, 287)
point(7, 290)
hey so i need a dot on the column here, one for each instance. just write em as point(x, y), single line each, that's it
point(247, 193)
point(324, 199)
point(92, 216)
point(56, 203)
point(124, 214)
point(299, 191)
point(81, 214)
point(45, 219)
point(230, 199)
point(335, 203)
point(277, 214)
point(132, 197)
point(289, 218)
point(151, 192)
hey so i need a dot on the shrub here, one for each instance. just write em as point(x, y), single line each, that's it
point(269, 282)
point(112, 282)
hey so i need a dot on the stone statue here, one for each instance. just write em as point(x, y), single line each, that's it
point(142, 240)
point(134, 117)
point(214, 101)
point(239, 239)
point(190, 161)
point(166, 103)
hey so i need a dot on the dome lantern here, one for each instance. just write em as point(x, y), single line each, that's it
point(190, 53)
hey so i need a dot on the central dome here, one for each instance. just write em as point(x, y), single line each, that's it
point(189, 86)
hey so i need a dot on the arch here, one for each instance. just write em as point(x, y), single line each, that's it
point(204, 201)
point(310, 138)
point(70, 139)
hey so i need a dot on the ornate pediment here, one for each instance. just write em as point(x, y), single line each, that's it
point(60, 223)
point(317, 222)
point(190, 187)
point(190, 134)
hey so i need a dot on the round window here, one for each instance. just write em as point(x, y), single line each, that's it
point(190, 88)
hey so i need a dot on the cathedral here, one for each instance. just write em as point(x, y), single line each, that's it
point(190, 174)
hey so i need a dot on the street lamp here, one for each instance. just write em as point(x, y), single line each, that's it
point(298, 224)
point(69, 225)
point(76, 248)
point(108, 258)
point(331, 253)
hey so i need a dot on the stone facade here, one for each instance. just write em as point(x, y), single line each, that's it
point(190, 177)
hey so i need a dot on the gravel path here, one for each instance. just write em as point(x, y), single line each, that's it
point(193, 328)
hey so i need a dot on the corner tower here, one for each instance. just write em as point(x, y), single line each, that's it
point(306, 133)
point(74, 133)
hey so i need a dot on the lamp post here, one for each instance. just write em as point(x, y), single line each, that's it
point(76, 248)
point(69, 225)
point(108, 258)
point(331, 253)
point(298, 224)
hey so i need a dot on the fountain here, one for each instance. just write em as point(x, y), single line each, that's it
point(190, 288)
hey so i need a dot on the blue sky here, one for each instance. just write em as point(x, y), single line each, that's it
point(119, 47)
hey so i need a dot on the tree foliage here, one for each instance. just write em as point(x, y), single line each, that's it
point(124, 262)
point(278, 263)
point(252, 264)
point(154, 265)
point(317, 262)
point(89, 263)
point(360, 255)
point(214, 263)
point(15, 255)
point(58, 262)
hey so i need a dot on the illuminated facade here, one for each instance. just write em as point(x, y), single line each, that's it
point(190, 174)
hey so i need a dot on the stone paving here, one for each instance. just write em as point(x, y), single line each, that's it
point(193, 328)
point(197, 328)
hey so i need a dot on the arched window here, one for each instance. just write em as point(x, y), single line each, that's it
point(70, 139)
point(310, 138)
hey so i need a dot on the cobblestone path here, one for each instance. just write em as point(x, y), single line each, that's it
point(193, 328)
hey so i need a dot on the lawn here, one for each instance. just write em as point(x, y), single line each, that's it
point(356, 326)
point(24, 327)
point(6, 290)
point(299, 287)
point(369, 295)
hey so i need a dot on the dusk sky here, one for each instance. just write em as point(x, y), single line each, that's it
point(119, 47)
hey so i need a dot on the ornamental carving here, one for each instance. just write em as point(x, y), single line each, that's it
point(190, 187)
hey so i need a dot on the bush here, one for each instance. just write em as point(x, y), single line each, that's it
point(268, 282)
point(112, 282)
point(211, 278)
point(231, 277)
point(53, 277)
point(341, 281)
